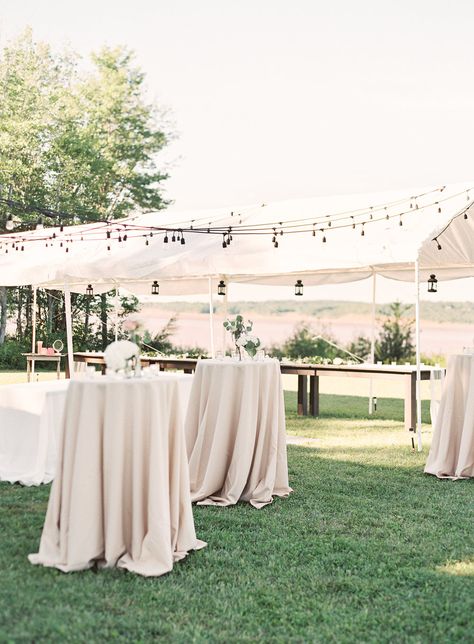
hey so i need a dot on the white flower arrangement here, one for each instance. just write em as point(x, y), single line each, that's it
point(119, 355)
point(241, 334)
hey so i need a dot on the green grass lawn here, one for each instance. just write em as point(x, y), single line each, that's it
point(366, 549)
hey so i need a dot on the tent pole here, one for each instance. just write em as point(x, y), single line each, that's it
point(67, 310)
point(372, 343)
point(33, 332)
point(418, 369)
point(33, 322)
point(224, 332)
point(116, 307)
point(211, 318)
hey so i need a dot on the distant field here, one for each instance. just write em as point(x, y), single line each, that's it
point(274, 322)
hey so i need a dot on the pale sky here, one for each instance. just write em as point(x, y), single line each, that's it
point(277, 99)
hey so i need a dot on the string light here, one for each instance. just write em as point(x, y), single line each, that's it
point(336, 220)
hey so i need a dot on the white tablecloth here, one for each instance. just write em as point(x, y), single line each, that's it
point(235, 433)
point(452, 448)
point(121, 494)
point(31, 415)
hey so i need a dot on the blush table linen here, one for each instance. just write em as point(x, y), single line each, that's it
point(235, 433)
point(452, 448)
point(31, 416)
point(121, 493)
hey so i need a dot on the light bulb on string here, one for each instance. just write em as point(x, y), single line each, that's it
point(362, 232)
point(165, 239)
point(400, 223)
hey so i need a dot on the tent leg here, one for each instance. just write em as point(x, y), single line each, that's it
point(116, 312)
point(211, 318)
point(418, 368)
point(67, 310)
point(33, 331)
point(224, 332)
point(372, 345)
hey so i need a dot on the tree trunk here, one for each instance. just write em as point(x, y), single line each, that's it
point(3, 313)
point(19, 325)
point(103, 320)
point(86, 319)
point(50, 315)
point(28, 310)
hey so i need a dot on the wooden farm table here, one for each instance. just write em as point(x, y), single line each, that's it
point(188, 365)
point(304, 371)
point(391, 372)
point(32, 358)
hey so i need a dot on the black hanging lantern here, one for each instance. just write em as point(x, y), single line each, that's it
point(221, 288)
point(299, 287)
point(155, 288)
point(89, 290)
point(432, 284)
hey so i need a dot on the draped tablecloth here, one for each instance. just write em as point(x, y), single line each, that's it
point(452, 448)
point(31, 416)
point(235, 433)
point(121, 493)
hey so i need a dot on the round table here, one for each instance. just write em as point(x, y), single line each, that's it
point(452, 448)
point(235, 433)
point(121, 493)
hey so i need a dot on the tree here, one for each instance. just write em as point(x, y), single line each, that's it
point(307, 343)
point(83, 143)
point(395, 339)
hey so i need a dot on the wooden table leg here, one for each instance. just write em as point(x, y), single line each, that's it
point(58, 368)
point(28, 370)
point(410, 402)
point(302, 395)
point(314, 395)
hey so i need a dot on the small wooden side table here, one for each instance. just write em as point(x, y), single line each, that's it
point(31, 358)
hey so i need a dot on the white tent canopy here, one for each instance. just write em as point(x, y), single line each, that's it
point(402, 235)
point(386, 248)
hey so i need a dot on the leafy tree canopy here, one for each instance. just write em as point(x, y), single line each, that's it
point(83, 142)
